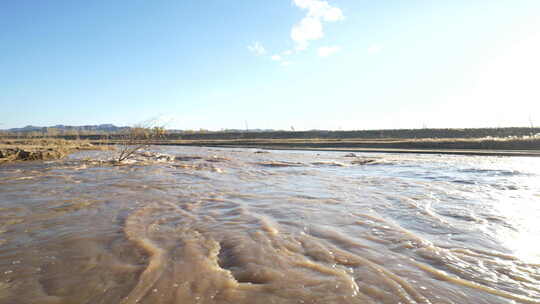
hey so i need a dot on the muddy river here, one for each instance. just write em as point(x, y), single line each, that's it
point(202, 225)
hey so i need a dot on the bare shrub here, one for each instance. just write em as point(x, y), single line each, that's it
point(137, 138)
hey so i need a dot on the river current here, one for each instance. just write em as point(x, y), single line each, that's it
point(207, 225)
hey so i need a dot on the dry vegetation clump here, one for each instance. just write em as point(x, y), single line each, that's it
point(136, 139)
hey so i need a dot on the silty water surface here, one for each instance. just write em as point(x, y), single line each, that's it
point(237, 226)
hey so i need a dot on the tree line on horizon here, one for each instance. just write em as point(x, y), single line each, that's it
point(117, 132)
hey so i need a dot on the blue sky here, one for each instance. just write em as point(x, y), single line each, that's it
point(310, 64)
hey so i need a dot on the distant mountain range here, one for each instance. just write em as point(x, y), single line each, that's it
point(63, 128)
point(110, 128)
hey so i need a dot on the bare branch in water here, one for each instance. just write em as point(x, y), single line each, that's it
point(137, 138)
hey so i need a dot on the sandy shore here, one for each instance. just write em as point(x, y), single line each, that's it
point(483, 147)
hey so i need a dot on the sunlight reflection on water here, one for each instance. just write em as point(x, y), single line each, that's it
point(279, 226)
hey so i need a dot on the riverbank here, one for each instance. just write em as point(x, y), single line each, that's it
point(56, 148)
point(525, 146)
point(41, 149)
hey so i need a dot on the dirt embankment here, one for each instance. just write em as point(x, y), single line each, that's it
point(530, 145)
point(40, 149)
point(468, 144)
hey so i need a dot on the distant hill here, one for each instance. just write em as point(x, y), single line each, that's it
point(103, 128)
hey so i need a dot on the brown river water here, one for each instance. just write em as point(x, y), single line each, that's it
point(204, 225)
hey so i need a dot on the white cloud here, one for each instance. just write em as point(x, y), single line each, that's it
point(320, 9)
point(257, 48)
point(311, 26)
point(308, 29)
point(374, 48)
point(326, 51)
